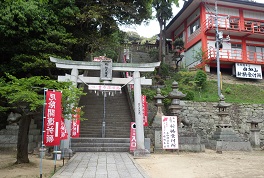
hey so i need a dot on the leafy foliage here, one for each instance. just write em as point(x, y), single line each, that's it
point(28, 92)
point(200, 78)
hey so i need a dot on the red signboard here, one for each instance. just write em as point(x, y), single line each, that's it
point(145, 110)
point(75, 126)
point(133, 142)
point(52, 120)
point(64, 133)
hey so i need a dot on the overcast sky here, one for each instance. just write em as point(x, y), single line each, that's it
point(153, 27)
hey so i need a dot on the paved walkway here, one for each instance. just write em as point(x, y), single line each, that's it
point(101, 165)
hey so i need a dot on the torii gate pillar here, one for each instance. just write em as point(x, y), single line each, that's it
point(66, 143)
point(140, 151)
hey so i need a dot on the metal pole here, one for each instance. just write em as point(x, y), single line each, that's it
point(103, 126)
point(42, 133)
point(217, 51)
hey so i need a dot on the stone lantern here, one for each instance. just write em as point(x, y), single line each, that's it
point(176, 96)
point(224, 138)
point(189, 140)
point(159, 104)
point(254, 132)
point(223, 113)
point(157, 121)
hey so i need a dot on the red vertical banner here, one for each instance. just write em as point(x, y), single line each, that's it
point(145, 110)
point(52, 121)
point(75, 126)
point(133, 142)
point(64, 133)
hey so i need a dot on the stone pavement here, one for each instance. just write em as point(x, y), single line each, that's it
point(101, 165)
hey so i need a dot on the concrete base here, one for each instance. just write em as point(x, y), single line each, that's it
point(225, 139)
point(192, 147)
point(141, 153)
point(66, 153)
point(229, 146)
point(189, 140)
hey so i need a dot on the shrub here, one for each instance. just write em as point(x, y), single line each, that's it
point(200, 78)
point(165, 69)
point(228, 90)
point(189, 95)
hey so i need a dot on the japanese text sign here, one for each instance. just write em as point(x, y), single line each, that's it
point(133, 143)
point(248, 71)
point(169, 132)
point(52, 121)
point(145, 110)
point(75, 127)
point(106, 70)
point(64, 133)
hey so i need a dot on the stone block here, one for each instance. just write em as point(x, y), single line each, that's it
point(158, 139)
point(229, 146)
point(5, 139)
point(147, 144)
point(192, 147)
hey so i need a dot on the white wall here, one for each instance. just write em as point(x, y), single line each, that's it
point(253, 15)
point(179, 30)
point(222, 10)
point(196, 14)
point(189, 61)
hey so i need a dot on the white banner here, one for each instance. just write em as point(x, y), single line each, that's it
point(170, 132)
point(104, 87)
point(248, 71)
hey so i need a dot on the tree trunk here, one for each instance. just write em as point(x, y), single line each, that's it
point(160, 41)
point(22, 140)
point(163, 42)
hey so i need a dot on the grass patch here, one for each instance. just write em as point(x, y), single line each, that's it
point(234, 93)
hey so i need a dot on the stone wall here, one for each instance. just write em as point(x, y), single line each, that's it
point(203, 116)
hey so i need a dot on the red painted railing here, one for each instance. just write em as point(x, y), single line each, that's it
point(234, 23)
point(232, 55)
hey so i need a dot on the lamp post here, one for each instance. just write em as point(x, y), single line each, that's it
point(217, 52)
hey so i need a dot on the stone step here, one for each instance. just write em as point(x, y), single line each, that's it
point(100, 149)
point(99, 135)
point(101, 140)
point(100, 144)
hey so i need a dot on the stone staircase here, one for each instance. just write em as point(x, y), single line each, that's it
point(117, 122)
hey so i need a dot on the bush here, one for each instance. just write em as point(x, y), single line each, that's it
point(150, 93)
point(165, 69)
point(228, 90)
point(200, 78)
point(189, 95)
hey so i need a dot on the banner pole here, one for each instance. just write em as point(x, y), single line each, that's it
point(62, 153)
point(55, 157)
point(42, 133)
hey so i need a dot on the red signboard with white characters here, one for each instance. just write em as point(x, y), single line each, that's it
point(52, 121)
point(170, 132)
point(145, 110)
point(133, 142)
point(75, 126)
point(64, 133)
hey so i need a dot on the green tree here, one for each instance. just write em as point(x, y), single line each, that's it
point(33, 30)
point(30, 32)
point(25, 96)
point(163, 13)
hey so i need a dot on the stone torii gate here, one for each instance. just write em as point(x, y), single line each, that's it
point(122, 67)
